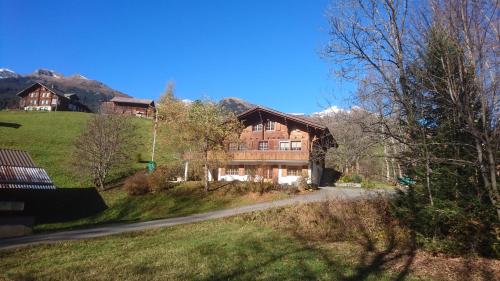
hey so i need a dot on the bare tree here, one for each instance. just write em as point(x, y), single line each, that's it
point(107, 144)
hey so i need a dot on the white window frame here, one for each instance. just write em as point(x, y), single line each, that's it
point(295, 148)
point(270, 125)
point(257, 128)
point(263, 148)
point(287, 147)
point(297, 171)
point(232, 170)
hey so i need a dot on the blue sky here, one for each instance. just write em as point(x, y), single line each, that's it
point(266, 52)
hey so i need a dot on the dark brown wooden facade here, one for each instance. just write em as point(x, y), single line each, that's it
point(277, 146)
point(129, 106)
point(41, 97)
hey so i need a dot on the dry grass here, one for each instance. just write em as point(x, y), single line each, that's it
point(368, 236)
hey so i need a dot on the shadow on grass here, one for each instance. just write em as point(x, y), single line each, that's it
point(176, 202)
point(10, 125)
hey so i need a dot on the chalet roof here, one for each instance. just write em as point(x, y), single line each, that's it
point(38, 84)
point(55, 92)
point(300, 119)
point(17, 170)
point(133, 100)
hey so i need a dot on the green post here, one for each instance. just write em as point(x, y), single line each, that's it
point(151, 166)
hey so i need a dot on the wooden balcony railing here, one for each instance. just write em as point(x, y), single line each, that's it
point(269, 155)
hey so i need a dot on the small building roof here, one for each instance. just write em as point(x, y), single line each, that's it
point(17, 170)
point(133, 100)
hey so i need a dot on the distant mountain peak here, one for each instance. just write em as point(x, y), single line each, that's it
point(79, 76)
point(7, 73)
point(47, 72)
point(236, 105)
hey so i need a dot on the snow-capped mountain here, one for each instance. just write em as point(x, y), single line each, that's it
point(7, 73)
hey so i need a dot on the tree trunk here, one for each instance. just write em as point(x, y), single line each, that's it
point(494, 196)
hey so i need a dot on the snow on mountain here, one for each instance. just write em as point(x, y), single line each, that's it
point(79, 76)
point(7, 73)
point(332, 110)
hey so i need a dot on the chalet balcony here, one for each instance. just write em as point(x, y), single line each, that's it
point(263, 155)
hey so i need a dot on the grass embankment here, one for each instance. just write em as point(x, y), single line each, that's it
point(230, 249)
point(184, 199)
point(336, 240)
point(49, 138)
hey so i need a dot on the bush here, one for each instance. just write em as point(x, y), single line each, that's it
point(163, 178)
point(355, 178)
point(138, 184)
point(302, 184)
point(449, 226)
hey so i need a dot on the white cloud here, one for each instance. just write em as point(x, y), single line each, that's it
point(188, 101)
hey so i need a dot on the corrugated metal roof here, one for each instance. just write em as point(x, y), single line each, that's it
point(17, 170)
point(19, 158)
point(132, 100)
point(24, 177)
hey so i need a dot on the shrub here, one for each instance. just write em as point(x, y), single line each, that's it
point(137, 184)
point(163, 178)
point(449, 226)
point(302, 184)
point(355, 178)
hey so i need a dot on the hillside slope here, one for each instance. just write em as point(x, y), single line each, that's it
point(49, 138)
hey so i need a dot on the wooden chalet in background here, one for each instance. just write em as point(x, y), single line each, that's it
point(41, 97)
point(129, 106)
point(277, 147)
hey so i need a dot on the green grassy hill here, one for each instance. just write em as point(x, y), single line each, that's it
point(49, 138)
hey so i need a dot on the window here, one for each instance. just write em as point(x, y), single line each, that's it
point(232, 170)
point(233, 146)
point(293, 171)
point(269, 125)
point(263, 145)
point(296, 145)
point(257, 128)
point(284, 145)
point(242, 146)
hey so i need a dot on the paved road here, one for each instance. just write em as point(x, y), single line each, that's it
point(110, 229)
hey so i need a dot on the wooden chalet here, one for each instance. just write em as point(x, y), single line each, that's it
point(129, 106)
point(277, 147)
point(41, 97)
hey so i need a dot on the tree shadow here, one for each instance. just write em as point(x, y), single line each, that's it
point(10, 125)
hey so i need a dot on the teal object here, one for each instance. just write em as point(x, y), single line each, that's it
point(406, 180)
point(151, 166)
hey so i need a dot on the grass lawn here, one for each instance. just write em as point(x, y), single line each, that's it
point(185, 199)
point(224, 249)
point(49, 136)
